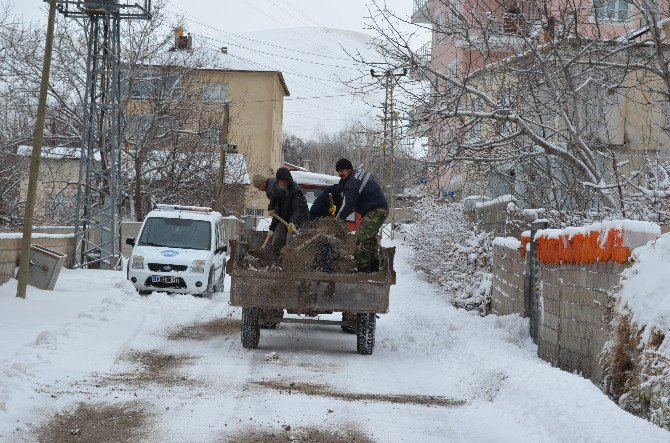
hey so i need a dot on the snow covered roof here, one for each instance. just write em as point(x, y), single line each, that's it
point(314, 179)
point(54, 152)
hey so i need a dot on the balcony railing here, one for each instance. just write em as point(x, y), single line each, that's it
point(424, 54)
point(503, 23)
point(421, 12)
point(419, 4)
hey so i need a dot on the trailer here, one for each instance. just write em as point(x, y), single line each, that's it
point(267, 294)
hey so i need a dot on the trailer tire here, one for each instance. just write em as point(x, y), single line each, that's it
point(251, 327)
point(365, 333)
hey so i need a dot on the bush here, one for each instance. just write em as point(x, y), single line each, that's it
point(453, 253)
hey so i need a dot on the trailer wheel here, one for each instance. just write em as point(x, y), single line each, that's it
point(365, 333)
point(251, 327)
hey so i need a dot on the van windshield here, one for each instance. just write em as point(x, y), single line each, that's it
point(176, 233)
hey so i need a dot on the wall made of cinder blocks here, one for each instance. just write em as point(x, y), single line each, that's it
point(509, 281)
point(10, 250)
point(576, 302)
point(577, 305)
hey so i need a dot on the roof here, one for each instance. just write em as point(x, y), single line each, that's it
point(54, 152)
point(305, 178)
point(210, 59)
point(189, 215)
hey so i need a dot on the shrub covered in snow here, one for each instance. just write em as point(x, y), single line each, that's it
point(637, 360)
point(453, 253)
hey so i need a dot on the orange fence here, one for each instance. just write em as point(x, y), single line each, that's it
point(587, 247)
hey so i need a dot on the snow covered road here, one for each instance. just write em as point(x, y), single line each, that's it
point(92, 360)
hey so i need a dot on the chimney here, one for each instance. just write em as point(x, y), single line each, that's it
point(182, 41)
point(305, 164)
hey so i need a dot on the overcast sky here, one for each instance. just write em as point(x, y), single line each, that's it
point(253, 15)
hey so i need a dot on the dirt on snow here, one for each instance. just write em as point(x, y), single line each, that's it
point(327, 391)
point(95, 423)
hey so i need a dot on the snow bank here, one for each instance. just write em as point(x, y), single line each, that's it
point(507, 242)
point(646, 287)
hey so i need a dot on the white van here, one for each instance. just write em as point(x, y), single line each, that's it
point(180, 249)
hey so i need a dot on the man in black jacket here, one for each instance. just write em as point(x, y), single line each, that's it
point(322, 204)
point(290, 204)
point(363, 194)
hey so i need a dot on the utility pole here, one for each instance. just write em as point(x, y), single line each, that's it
point(389, 118)
point(222, 158)
point(24, 260)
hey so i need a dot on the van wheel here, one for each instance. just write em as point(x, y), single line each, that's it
point(144, 292)
point(210, 285)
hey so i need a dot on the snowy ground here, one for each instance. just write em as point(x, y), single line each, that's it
point(94, 360)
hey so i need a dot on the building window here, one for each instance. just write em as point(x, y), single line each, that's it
point(452, 70)
point(438, 33)
point(453, 14)
point(148, 84)
point(215, 92)
point(615, 10)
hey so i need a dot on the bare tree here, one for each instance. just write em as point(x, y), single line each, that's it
point(550, 101)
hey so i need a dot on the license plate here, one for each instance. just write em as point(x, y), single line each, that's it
point(160, 279)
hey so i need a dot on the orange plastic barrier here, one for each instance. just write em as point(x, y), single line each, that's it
point(580, 248)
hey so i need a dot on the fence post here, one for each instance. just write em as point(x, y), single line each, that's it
point(533, 292)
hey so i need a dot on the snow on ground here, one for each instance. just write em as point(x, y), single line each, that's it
point(172, 368)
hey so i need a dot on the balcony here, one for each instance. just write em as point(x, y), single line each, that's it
point(502, 31)
point(424, 54)
point(421, 12)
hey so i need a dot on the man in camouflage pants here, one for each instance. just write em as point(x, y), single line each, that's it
point(363, 194)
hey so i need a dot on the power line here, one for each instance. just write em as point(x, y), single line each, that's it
point(238, 36)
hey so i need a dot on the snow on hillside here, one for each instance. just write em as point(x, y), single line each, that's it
point(319, 68)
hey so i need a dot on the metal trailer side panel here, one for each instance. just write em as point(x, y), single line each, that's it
point(309, 295)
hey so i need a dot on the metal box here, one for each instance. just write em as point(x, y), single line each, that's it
point(45, 266)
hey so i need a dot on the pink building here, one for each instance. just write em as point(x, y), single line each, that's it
point(466, 34)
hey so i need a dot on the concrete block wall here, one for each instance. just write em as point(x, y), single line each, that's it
point(509, 280)
point(577, 305)
point(497, 217)
point(576, 300)
point(10, 248)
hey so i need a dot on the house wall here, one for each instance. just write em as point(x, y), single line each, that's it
point(256, 119)
point(54, 188)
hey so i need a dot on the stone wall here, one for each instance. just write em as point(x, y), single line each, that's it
point(509, 279)
point(10, 248)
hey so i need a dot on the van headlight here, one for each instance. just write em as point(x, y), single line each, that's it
point(198, 266)
point(138, 262)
